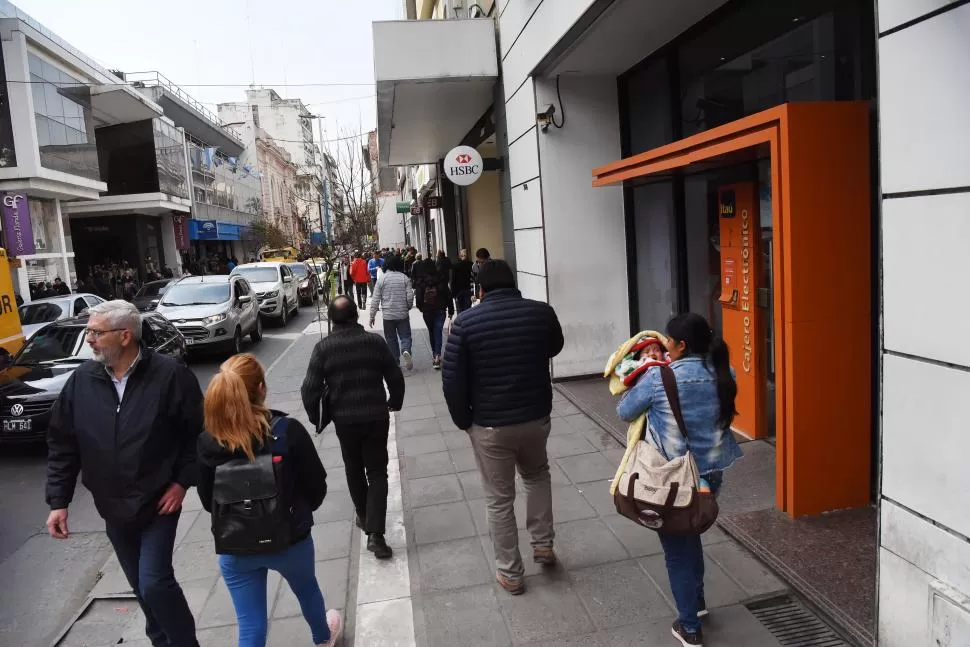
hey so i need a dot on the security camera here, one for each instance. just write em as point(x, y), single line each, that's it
point(544, 118)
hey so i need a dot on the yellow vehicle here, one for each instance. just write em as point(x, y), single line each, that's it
point(11, 333)
point(282, 255)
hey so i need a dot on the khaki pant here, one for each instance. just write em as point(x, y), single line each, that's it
point(498, 451)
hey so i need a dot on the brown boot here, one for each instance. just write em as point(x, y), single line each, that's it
point(544, 555)
point(513, 587)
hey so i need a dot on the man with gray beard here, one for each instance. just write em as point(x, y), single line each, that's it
point(128, 420)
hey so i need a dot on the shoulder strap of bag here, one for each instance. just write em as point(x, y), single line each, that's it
point(277, 427)
point(670, 387)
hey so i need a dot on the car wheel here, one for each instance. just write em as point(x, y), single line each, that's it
point(257, 334)
point(285, 314)
point(237, 341)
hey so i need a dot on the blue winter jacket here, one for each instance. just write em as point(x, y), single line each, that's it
point(714, 447)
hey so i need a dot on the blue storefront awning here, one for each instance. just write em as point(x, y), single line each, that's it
point(215, 230)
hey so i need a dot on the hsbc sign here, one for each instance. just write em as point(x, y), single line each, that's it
point(463, 165)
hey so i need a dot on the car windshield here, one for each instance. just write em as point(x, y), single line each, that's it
point(55, 343)
point(196, 294)
point(35, 313)
point(259, 274)
point(152, 289)
point(299, 269)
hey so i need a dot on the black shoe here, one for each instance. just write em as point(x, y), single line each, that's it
point(687, 638)
point(436, 364)
point(377, 545)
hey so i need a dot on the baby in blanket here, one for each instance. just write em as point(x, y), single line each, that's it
point(646, 353)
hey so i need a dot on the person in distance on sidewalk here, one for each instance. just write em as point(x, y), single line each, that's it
point(360, 279)
point(238, 426)
point(352, 366)
point(434, 301)
point(128, 420)
point(497, 386)
point(394, 295)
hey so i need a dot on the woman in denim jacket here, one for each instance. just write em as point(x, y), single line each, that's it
point(706, 386)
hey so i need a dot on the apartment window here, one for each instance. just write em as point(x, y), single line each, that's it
point(62, 114)
point(170, 159)
point(256, 116)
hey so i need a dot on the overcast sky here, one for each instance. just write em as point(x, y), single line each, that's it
point(280, 44)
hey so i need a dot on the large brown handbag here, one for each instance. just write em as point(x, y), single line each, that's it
point(662, 495)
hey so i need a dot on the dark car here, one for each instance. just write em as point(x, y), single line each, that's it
point(309, 284)
point(147, 297)
point(34, 377)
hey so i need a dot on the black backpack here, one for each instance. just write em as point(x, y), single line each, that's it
point(429, 299)
point(250, 513)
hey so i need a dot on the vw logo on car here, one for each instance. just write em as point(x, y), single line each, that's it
point(17, 410)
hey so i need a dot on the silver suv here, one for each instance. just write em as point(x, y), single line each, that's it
point(275, 286)
point(213, 311)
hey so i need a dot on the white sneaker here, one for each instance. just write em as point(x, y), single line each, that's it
point(336, 624)
point(408, 362)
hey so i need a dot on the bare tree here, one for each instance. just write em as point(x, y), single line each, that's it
point(351, 195)
point(267, 234)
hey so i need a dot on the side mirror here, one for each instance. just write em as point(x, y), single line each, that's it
point(245, 298)
point(287, 279)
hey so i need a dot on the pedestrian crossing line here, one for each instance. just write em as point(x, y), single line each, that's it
point(385, 614)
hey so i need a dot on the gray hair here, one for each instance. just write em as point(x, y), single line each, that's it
point(120, 314)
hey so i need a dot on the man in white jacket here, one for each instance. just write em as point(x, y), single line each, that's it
point(395, 296)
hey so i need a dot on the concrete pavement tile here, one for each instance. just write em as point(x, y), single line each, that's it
point(559, 427)
point(218, 637)
point(333, 460)
point(581, 422)
point(332, 576)
point(393, 469)
point(421, 412)
point(434, 490)
point(464, 459)
point(394, 502)
point(472, 484)
point(424, 444)
point(719, 589)
point(423, 465)
point(565, 408)
point(568, 504)
point(195, 560)
point(385, 624)
point(416, 428)
point(735, 626)
point(331, 540)
point(112, 579)
point(382, 579)
point(328, 439)
point(395, 534)
point(200, 530)
point(598, 495)
point(336, 507)
point(742, 567)
point(336, 480)
point(614, 455)
point(602, 440)
point(288, 631)
point(191, 502)
point(457, 439)
point(653, 632)
point(218, 610)
point(637, 540)
point(186, 519)
point(587, 542)
point(452, 565)
point(445, 423)
point(548, 610)
point(197, 592)
point(562, 445)
point(714, 535)
point(479, 515)
point(468, 617)
point(619, 594)
point(443, 522)
point(441, 411)
point(438, 395)
point(418, 397)
point(587, 467)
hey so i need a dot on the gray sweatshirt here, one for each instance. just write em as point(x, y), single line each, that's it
point(394, 294)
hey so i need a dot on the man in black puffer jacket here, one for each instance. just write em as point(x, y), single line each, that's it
point(498, 389)
point(352, 365)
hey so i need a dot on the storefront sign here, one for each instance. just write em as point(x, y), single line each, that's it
point(432, 202)
point(463, 165)
point(16, 224)
point(208, 230)
point(416, 209)
point(403, 207)
point(180, 225)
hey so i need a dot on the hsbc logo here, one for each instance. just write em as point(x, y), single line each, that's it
point(467, 166)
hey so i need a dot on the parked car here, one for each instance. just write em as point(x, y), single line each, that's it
point(148, 296)
point(42, 312)
point(214, 311)
point(309, 284)
point(275, 287)
point(31, 383)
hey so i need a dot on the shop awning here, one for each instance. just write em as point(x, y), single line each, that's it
point(434, 80)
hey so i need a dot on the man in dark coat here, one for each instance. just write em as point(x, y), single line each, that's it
point(348, 370)
point(128, 421)
point(498, 389)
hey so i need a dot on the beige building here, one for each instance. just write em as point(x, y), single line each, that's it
point(278, 188)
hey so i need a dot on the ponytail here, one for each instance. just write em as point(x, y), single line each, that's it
point(727, 388)
point(234, 413)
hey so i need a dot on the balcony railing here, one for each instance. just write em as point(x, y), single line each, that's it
point(158, 80)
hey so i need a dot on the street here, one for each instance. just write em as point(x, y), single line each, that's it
point(37, 602)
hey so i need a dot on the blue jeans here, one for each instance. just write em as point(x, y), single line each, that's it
point(245, 577)
point(394, 328)
point(685, 568)
point(436, 325)
point(145, 555)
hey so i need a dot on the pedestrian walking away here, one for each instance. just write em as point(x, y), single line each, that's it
point(361, 279)
point(349, 369)
point(128, 421)
point(375, 266)
point(461, 282)
point(481, 256)
point(245, 443)
point(434, 301)
point(706, 389)
point(394, 296)
point(497, 386)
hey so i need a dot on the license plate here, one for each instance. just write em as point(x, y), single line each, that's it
point(17, 424)
point(189, 342)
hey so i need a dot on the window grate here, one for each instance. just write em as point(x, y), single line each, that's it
point(794, 625)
